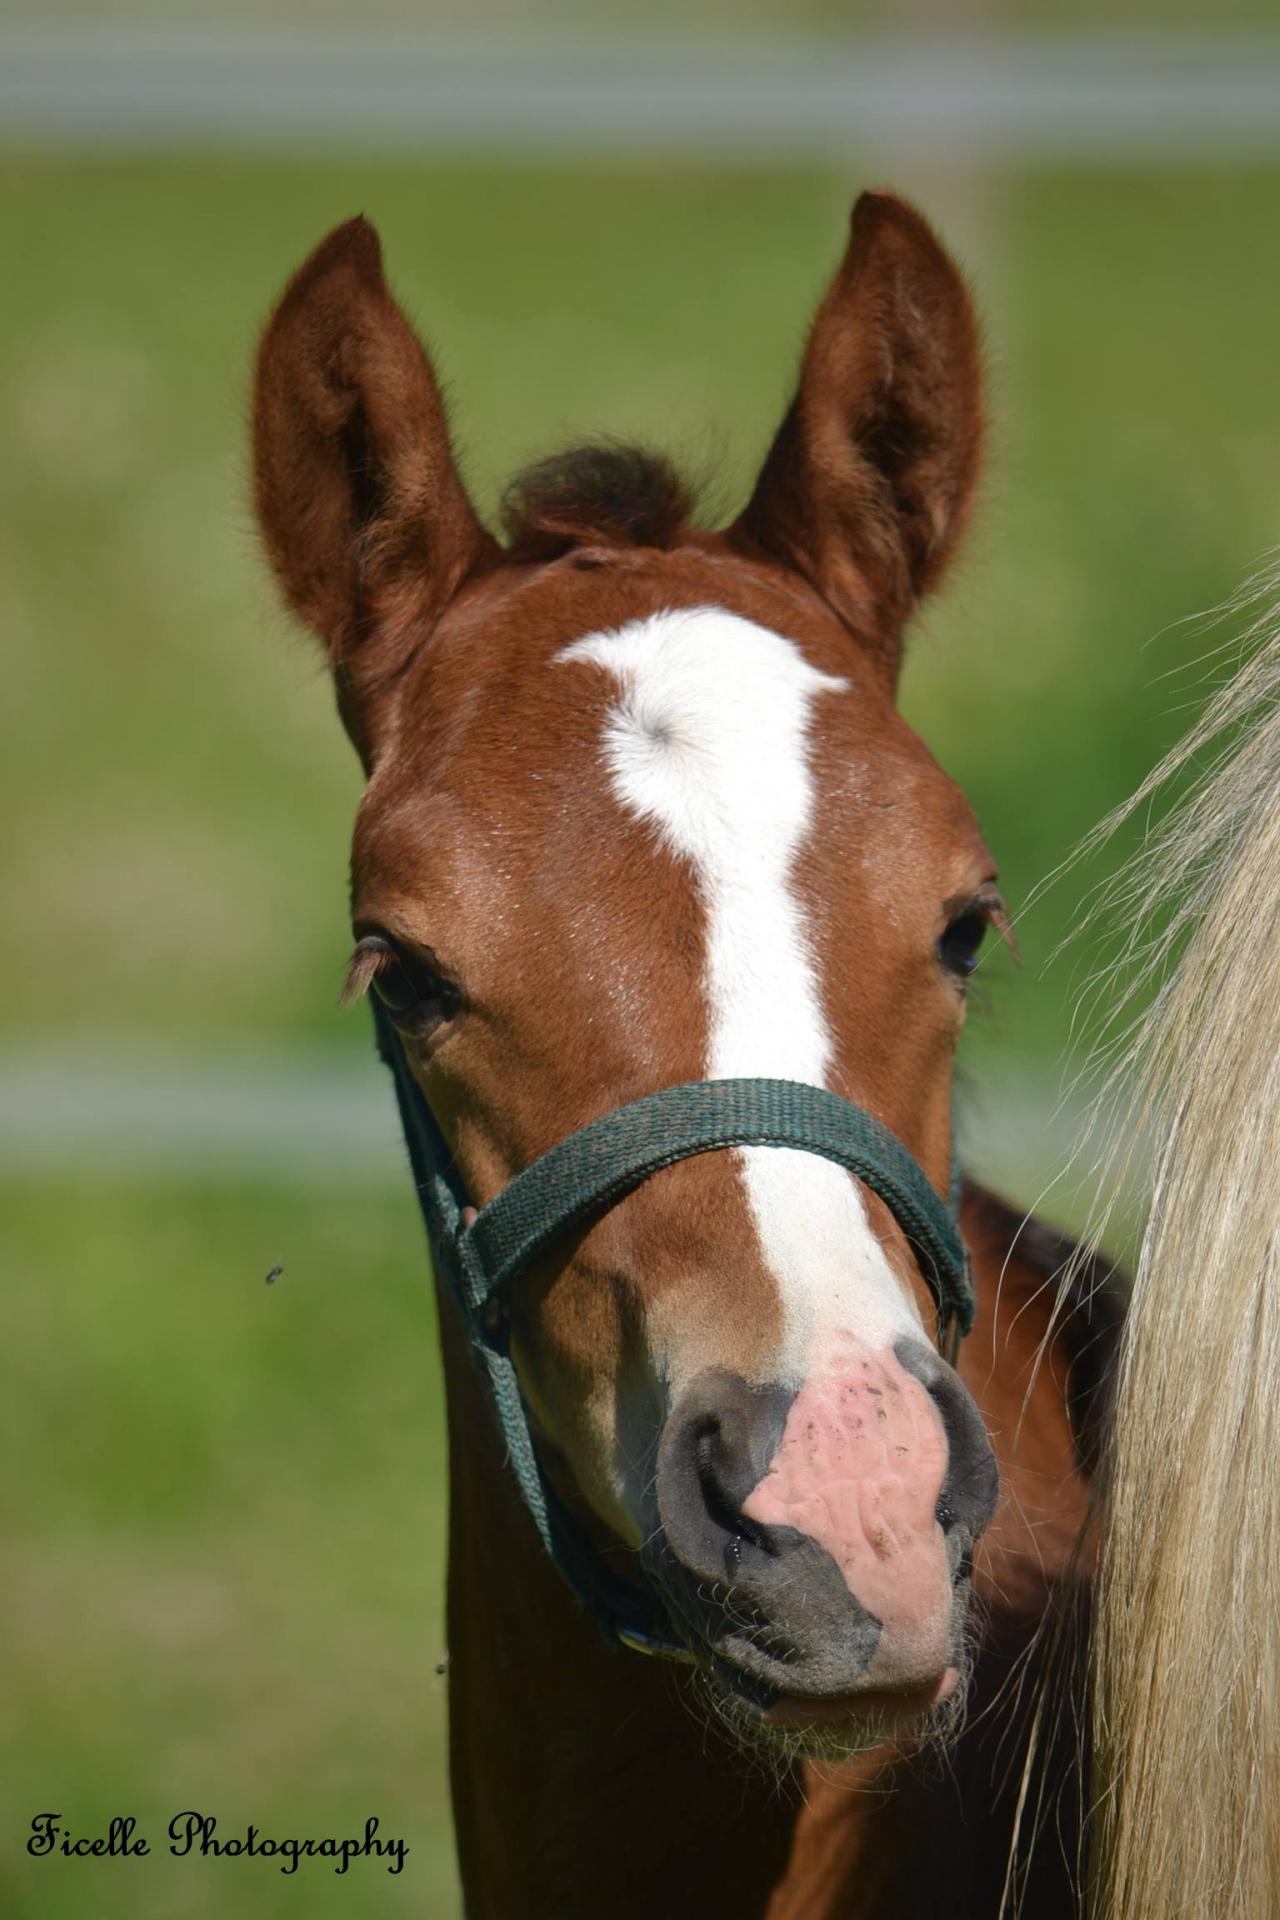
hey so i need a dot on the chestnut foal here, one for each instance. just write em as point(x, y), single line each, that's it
point(640, 815)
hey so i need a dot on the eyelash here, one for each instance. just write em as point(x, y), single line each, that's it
point(424, 999)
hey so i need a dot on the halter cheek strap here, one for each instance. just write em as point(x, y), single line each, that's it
point(589, 1172)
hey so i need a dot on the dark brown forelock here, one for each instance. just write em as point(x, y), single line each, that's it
point(602, 493)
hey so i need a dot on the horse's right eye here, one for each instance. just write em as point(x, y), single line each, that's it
point(396, 987)
point(416, 995)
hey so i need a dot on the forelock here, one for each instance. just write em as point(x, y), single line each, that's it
point(604, 493)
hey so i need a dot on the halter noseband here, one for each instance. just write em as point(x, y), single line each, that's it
point(589, 1172)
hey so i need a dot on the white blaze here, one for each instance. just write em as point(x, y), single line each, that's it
point(708, 739)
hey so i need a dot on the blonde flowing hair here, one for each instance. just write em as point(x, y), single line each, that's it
point(1186, 1638)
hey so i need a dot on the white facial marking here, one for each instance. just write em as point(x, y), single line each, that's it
point(708, 740)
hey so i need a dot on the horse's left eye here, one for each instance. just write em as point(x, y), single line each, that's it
point(961, 943)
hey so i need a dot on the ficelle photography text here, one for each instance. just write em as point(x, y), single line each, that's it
point(193, 1835)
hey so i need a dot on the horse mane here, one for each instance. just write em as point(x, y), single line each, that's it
point(1186, 1641)
point(606, 493)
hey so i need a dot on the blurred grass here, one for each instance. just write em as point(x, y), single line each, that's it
point(177, 792)
point(223, 1519)
point(224, 1501)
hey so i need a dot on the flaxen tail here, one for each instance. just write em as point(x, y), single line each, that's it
point(1186, 1712)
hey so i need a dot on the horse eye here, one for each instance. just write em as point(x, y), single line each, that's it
point(412, 991)
point(959, 946)
point(397, 988)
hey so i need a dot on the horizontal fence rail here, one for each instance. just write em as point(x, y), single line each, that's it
point(1156, 99)
point(311, 1117)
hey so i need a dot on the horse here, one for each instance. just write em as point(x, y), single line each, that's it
point(1186, 1638)
point(646, 849)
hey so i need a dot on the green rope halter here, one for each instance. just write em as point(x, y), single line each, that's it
point(589, 1172)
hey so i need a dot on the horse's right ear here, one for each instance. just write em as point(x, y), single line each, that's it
point(364, 514)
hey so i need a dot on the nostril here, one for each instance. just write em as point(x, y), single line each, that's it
point(723, 1511)
point(968, 1496)
point(715, 1450)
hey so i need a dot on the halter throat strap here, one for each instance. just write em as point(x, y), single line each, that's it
point(590, 1171)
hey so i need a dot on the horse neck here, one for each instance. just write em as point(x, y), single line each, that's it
point(567, 1756)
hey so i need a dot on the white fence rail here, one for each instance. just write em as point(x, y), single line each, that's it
point(1160, 100)
point(308, 1118)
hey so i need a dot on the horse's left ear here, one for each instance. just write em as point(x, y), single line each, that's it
point(869, 481)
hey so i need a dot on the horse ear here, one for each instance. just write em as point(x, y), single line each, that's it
point(365, 517)
point(868, 484)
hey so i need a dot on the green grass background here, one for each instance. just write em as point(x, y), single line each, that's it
point(223, 1502)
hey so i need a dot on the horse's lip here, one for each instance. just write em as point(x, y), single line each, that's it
point(793, 1710)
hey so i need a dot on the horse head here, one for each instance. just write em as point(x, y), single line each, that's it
point(640, 811)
